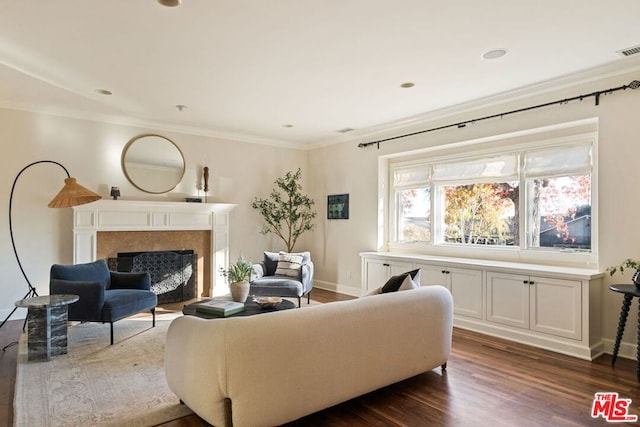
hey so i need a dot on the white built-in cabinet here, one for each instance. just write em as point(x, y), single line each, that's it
point(544, 304)
point(551, 307)
point(465, 285)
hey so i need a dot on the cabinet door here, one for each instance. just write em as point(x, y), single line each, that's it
point(376, 274)
point(466, 288)
point(508, 299)
point(431, 274)
point(556, 307)
point(396, 268)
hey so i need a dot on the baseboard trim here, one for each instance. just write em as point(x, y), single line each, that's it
point(626, 351)
point(555, 344)
point(334, 287)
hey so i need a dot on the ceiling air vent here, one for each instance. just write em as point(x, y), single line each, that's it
point(629, 51)
point(345, 130)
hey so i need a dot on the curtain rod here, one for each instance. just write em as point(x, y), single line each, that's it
point(632, 85)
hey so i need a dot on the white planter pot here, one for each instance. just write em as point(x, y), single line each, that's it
point(239, 291)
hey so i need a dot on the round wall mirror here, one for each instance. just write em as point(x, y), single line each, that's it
point(153, 163)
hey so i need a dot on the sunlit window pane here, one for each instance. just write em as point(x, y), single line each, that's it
point(561, 212)
point(481, 214)
point(414, 215)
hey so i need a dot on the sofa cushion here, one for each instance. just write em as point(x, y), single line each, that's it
point(270, 286)
point(121, 303)
point(289, 265)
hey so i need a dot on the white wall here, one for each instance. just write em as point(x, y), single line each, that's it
point(344, 168)
point(91, 152)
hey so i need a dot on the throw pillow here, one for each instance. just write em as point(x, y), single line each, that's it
point(393, 284)
point(408, 283)
point(415, 275)
point(289, 265)
point(402, 282)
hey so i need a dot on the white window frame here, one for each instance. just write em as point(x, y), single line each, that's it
point(581, 132)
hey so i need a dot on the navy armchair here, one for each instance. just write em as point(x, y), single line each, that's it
point(273, 278)
point(105, 296)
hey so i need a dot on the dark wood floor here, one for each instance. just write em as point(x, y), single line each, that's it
point(488, 382)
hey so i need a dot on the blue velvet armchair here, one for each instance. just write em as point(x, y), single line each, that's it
point(265, 280)
point(105, 296)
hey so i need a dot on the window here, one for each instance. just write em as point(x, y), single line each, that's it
point(559, 185)
point(413, 204)
point(534, 198)
point(482, 214)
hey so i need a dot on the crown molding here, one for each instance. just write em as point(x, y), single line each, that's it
point(153, 125)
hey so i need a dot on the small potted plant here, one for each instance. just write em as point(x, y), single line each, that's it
point(628, 264)
point(238, 275)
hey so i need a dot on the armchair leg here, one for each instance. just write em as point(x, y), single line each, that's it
point(153, 314)
point(298, 302)
point(309, 298)
point(111, 330)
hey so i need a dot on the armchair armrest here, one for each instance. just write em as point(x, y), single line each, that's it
point(89, 306)
point(257, 271)
point(122, 280)
point(306, 276)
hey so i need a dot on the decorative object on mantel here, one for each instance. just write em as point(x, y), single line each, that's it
point(193, 199)
point(288, 216)
point(153, 163)
point(115, 193)
point(205, 175)
point(338, 206)
point(630, 264)
point(238, 276)
point(72, 194)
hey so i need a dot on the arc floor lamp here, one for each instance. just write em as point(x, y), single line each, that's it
point(72, 194)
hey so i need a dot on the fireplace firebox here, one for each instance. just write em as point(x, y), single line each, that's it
point(173, 273)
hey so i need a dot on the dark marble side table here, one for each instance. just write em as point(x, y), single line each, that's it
point(47, 324)
point(629, 291)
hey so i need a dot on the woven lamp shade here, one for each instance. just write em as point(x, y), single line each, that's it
point(73, 194)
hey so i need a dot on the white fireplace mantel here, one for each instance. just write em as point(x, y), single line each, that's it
point(125, 215)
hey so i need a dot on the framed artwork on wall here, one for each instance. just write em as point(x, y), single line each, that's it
point(338, 206)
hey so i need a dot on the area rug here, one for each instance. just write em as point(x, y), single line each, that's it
point(96, 384)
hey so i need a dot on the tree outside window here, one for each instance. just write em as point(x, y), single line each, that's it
point(484, 214)
point(561, 212)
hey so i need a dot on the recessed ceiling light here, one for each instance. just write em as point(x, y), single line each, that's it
point(345, 130)
point(287, 125)
point(407, 85)
point(170, 3)
point(104, 92)
point(181, 107)
point(494, 54)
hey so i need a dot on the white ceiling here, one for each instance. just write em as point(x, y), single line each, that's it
point(245, 68)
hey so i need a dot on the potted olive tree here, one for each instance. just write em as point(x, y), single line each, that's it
point(288, 212)
point(628, 264)
point(238, 275)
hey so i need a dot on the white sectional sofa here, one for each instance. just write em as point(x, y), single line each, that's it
point(273, 368)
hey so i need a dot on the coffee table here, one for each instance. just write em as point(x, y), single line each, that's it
point(47, 324)
point(250, 309)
